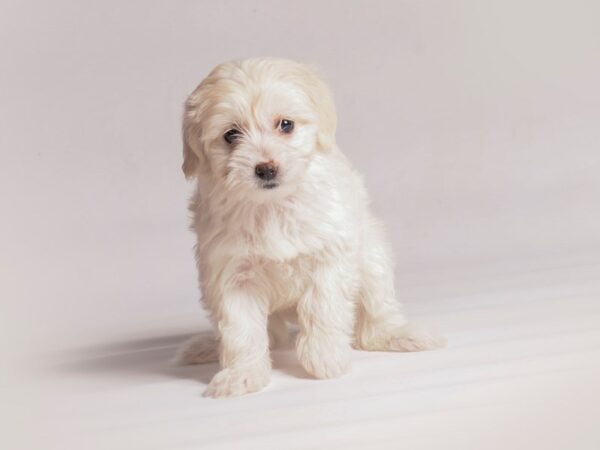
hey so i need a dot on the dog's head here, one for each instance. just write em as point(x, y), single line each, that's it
point(254, 125)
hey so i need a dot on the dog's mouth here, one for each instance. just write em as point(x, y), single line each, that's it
point(270, 185)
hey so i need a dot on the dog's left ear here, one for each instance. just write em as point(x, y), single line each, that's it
point(322, 100)
point(328, 125)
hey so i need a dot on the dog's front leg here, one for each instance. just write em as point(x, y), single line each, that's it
point(244, 345)
point(325, 316)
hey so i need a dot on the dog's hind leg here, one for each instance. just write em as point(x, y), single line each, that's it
point(204, 348)
point(278, 330)
point(199, 349)
point(380, 323)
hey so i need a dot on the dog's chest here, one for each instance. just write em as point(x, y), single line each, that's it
point(283, 232)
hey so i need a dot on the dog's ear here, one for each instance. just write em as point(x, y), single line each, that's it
point(190, 160)
point(194, 157)
point(322, 100)
point(328, 124)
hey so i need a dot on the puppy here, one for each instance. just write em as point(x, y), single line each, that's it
point(284, 231)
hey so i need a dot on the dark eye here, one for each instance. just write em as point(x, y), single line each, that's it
point(231, 136)
point(286, 126)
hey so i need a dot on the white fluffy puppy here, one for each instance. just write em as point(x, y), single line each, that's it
point(284, 231)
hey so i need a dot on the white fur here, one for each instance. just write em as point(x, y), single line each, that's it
point(308, 250)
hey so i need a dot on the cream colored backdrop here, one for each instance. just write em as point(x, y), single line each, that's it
point(476, 125)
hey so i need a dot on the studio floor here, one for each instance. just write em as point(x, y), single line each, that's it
point(521, 371)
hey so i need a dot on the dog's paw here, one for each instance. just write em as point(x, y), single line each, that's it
point(235, 382)
point(412, 338)
point(323, 359)
point(199, 349)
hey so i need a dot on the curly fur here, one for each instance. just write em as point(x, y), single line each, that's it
point(308, 250)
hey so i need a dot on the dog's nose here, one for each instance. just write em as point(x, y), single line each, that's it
point(266, 171)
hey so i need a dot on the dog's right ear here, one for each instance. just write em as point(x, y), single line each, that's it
point(194, 157)
point(191, 160)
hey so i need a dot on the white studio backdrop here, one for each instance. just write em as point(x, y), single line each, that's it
point(476, 125)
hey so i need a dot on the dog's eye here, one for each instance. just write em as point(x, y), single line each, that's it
point(231, 136)
point(286, 126)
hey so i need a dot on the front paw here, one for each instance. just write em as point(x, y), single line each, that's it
point(323, 358)
point(235, 382)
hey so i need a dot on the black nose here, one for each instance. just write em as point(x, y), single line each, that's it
point(266, 171)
